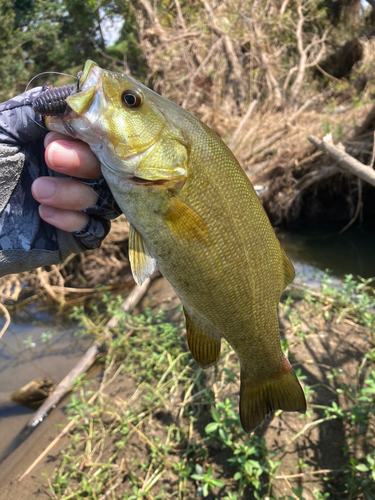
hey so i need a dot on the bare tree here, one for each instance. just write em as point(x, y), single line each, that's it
point(236, 77)
point(309, 56)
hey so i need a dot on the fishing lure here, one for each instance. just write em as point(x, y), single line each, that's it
point(52, 102)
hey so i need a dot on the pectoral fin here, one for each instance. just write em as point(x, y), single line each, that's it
point(184, 220)
point(141, 262)
point(204, 348)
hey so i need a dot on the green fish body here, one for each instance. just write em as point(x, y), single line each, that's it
point(195, 215)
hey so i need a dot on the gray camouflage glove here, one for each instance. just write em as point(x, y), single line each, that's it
point(26, 241)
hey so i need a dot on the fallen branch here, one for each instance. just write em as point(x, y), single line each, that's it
point(345, 161)
point(81, 367)
point(87, 359)
point(242, 123)
point(7, 319)
point(266, 143)
point(255, 168)
point(357, 210)
point(54, 442)
point(110, 491)
point(312, 178)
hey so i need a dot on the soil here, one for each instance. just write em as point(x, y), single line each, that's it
point(327, 344)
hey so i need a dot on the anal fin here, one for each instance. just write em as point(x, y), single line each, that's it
point(260, 399)
point(204, 348)
point(141, 262)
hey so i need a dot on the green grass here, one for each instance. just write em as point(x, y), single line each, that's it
point(174, 431)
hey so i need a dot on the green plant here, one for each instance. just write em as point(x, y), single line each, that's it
point(206, 481)
point(172, 397)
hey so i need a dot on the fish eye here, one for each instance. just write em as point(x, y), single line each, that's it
point(131, 99)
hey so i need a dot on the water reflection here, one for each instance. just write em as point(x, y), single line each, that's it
point(352, 252)
point(27, 352)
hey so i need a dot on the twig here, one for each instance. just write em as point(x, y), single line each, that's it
point(152, 17)
point(330, 76)
point(289, 485)
point(357, 210)
point(107, 56)
point(302, 474)
point(46, 285)
point(7, 319)
point(306, 59)
point(266, 143)
point(312, 424)
point(199, 69)
point(132, 300)
point(87, 360)
point(64, 386)
point(266, 63)
point(54, 442)
point(255, 168)
point(236, 74)
point(180, 15)
point(283, 7)
point(343, 159)
point(242, 123)
point(144, 437)
point(310, 179)
point(119, 481)
point(373, 153)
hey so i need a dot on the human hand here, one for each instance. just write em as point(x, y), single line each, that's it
point(61, 198)
point(28, 234)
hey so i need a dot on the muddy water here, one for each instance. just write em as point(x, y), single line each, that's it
point(26, 353)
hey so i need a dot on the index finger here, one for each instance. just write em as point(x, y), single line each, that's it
point(71, 157)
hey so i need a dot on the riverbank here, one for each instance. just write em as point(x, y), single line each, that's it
point(160, 427)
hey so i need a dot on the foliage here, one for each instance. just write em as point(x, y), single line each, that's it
point(192, 52)
point(48, 36)
point(177, 431)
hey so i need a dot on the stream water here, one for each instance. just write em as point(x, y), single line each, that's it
point(24, 356)
point(352, 252)
point(37, 349)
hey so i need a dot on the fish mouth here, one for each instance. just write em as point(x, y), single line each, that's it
point(82, 77)
point(146, 182)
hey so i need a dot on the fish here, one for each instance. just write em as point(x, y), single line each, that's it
point(194, 215)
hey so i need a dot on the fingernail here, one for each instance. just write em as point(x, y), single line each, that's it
point(61, 156)
point(46, 212)
point(44, 189)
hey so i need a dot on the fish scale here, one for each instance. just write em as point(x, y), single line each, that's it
point(193, 212)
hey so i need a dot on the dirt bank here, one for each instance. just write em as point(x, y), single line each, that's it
point(310, 453)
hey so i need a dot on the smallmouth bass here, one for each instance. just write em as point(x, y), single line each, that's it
point(195, 215)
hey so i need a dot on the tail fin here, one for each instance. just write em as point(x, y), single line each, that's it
point(256, 401)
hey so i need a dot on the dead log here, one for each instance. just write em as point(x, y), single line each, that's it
point(87, 359)
point(345, 161)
